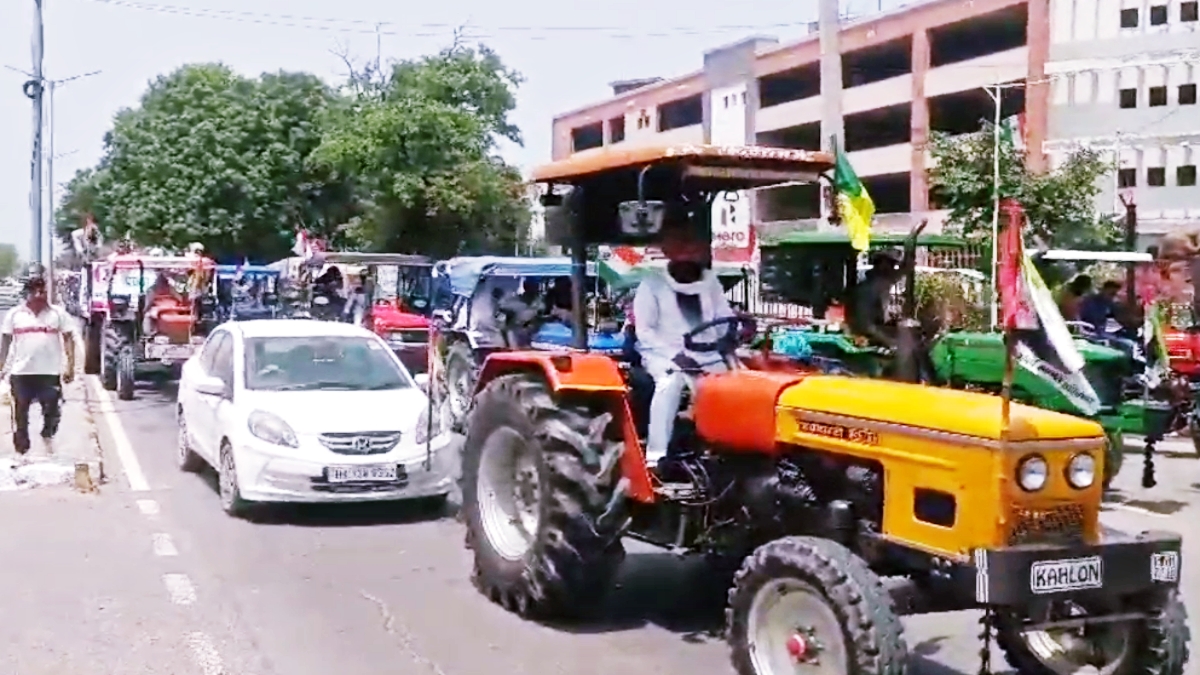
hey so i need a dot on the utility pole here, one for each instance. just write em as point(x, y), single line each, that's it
point(33, 90)
point(832, 124)
point(997, 95)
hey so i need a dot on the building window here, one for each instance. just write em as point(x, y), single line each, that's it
point(1156, 176)
point(1127, 178)
point(616, 129)
point(1158, 96)
point(1158, 15)
point(1129, 18)
point(1185, 175)
point(1187, 94)
point(1189, 11)
point(1128, 98)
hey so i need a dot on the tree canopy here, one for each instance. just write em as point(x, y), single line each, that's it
point(402, 162)
point(10, 260)
point(1059, 204)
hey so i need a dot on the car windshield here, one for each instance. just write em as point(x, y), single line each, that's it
point(322, 363)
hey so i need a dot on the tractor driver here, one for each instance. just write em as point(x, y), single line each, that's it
point(161, 289)
point(871, 296)
point(669, 306)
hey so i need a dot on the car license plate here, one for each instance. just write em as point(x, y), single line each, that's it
point(1164, 567)
point(372, 473)
point(1057, 576)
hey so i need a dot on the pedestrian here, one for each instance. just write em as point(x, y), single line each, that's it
point(34, 338)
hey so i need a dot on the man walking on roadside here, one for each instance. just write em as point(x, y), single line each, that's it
point(36, 335)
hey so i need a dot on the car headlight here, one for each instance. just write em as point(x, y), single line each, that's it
point(272, 429)
point(430, 426)
point(1032, 473)
point(1081, 471)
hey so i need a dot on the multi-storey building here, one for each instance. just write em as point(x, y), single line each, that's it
point(906, 74)
point(1124, 76)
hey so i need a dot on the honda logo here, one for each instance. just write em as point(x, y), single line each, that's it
point(362, 444)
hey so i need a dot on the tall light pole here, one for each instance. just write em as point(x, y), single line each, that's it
point(33, 90)
point(53, 85)
point(832, 123)
point(997, 95)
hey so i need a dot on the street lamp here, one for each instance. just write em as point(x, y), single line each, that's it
point(52, 85)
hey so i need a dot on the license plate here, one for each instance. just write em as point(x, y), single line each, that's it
point(376, 473)
point(1057, 576)
point(1164, 567)
point(169, 352)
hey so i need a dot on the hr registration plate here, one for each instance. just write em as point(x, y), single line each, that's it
point(367, 473)
point(1057, 576)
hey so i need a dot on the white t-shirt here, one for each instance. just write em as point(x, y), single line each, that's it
point(37, 340)
point(660, 321)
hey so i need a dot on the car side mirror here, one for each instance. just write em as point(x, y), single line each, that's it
point(211, 386)
point(422, 380)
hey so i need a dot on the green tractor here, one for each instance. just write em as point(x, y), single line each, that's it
point(820, 270)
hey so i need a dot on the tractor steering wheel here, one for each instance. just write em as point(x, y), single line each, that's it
point(738, 326)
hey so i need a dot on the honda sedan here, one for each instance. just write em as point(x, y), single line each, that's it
point(309, 411)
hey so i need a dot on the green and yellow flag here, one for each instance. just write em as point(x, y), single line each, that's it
point(854, 203)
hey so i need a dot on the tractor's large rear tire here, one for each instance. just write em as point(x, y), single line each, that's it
point(537, 476)
point(93, 349)
point(1157, 646)
point(807, 600)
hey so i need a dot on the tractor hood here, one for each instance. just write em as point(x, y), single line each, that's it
point(925, 408)
point(388, 317)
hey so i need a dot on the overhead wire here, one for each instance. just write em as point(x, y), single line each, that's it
point(426, 29)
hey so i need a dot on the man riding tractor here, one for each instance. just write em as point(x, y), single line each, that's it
point(813, 486)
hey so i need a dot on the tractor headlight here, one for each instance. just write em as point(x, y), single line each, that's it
point(1032, 473)
point(1081, 471)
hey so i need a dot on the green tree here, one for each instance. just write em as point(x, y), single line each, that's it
point(1060, 204)
point(218, 158)
point(10, 261)
point(421, 146)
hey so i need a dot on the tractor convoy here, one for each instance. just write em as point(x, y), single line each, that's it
point(857, 483)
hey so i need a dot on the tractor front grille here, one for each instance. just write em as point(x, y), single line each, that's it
point(1053, 525)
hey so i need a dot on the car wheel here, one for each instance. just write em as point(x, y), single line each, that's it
point(227, 483)
point(186, 459)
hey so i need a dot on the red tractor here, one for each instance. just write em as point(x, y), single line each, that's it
point(398, 288)
point(813, 487)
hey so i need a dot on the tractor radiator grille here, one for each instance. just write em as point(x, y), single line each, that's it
point(1053, 525)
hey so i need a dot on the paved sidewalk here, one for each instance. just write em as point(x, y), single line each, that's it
point(75, 444)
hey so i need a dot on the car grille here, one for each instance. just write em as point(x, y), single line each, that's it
point(361, 443)
point(1054, 525)
point(419, 336)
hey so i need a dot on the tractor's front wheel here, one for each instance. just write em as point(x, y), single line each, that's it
point(805, 603)
point(126, 374)
point(93, 347)
point(113, 343)
point(1157, 645)
point(460, 382)
point(537, 477)
point(1114, 455)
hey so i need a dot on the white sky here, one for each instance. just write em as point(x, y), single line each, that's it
point(132, 42)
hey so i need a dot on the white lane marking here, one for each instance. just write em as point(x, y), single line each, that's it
point(180, 588)
point(148, 507)
point(163, 546)
point(129, 460)
point(205, 654)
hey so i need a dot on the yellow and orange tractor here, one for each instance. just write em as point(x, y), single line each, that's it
point(813, 486)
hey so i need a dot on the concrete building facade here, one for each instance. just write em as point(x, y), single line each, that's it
point(1124, 77)
point(906, 74)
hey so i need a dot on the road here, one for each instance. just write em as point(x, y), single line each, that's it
point(384, 589)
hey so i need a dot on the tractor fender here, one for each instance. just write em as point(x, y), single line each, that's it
point(593, 375)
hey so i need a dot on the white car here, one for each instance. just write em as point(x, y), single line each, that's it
point(309, 411)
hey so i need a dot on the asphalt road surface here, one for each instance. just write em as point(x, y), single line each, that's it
point(382, 590)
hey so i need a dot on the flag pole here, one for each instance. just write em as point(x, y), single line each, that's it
point(1009, 263)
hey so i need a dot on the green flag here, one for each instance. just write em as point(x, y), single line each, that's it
point(854, 203)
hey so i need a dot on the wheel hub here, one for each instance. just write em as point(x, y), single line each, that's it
point(509, 494)
point(779, 646)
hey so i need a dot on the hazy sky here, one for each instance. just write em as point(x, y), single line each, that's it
point(566, 58)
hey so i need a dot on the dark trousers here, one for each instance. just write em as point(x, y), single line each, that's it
point(46, 390)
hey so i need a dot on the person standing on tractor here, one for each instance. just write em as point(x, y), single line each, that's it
point(668, 307)
point(36, 335)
